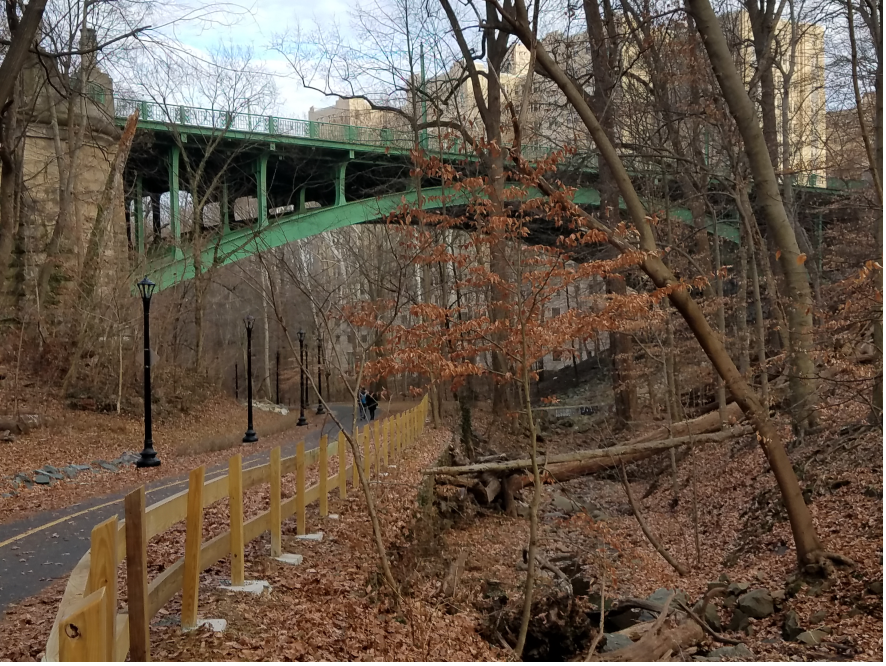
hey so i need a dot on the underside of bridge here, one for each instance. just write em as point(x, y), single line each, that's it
point(246, 193)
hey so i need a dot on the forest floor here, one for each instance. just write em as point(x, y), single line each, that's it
point(209, 435)
point(742, 535)
point(336, 607)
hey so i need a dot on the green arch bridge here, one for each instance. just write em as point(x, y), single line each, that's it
point(305, 178)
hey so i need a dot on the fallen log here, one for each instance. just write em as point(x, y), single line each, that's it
point(589, 460)
point(700, 425)
point(659, 641)
point(492, 485)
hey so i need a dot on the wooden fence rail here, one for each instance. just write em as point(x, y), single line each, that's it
point(90, 627)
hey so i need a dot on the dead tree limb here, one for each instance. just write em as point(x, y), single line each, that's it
point(614, 454)
point(679, 568)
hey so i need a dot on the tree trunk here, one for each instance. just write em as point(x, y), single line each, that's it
point(803, 384)
point(9, 154)
point(809, 550)
point(22, 39)
point(741, 306)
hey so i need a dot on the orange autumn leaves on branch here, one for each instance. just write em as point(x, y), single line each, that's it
point(450, 339)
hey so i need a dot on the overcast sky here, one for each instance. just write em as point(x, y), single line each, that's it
point(255, 25)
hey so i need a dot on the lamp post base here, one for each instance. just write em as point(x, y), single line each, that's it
point(250, 437)
point(148, 458)
point(321, 409)
point(302, 421)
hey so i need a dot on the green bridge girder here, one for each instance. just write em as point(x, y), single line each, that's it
point(175, 265)
point(170, 130)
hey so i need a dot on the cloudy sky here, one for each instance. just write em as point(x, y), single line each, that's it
point(202, 25)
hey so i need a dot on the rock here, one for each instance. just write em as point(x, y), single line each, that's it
point(813, 637)
point(82, 468)
point(756, 603)
point(51, 472)
point(739, 621)
point(739, 651)
point(661, 595)
point(22, 479)
point(104, 464)
point(873, 491)
point(615, 642)
point(714, 584)
point(791, 628)
point(646, 616)
point(723, 578)
point(71, 471)
point(711, 615)
point(736, 589)
point(875, 587)
point(42, 479)
point(818, 616)
point(600, 516)
point(129, 458)
point(7, 436)
point(778, 596)
point(793, 587)
point(10, 494)
point(825, 629)
point(565, 504)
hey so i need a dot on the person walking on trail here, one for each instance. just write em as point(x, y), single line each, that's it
point(371, 405)
point(363, 398)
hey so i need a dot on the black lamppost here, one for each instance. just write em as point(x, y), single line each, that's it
point(320, 408)
point(250, 437)
point(302, 385)
point(148, 456)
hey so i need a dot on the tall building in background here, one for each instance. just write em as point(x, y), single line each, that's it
point(800, 108)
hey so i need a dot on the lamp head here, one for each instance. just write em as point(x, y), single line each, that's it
point(249, 321)
point(146, 288)
point(301, 335)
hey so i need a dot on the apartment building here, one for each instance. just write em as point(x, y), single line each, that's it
point(800, 105)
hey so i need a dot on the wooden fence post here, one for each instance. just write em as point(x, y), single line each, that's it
point(342, 467)
point(366, 452)
point(235, 497)
point(300, 487)
point(103, 573)
point(137, 575)
point(386, 439)
point(276, 514)
point(82, 636)
point(193, 542)
point(378, 445)
point(323, 469)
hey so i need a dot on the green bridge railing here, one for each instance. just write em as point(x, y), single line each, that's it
point(374, 137)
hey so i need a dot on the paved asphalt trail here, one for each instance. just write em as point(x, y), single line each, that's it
point(46, 546)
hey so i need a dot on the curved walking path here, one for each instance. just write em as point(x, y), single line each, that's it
point(46, 546)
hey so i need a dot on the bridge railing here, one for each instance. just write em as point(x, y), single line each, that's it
point(390, 138)
point(90, 627)
point(380, 137)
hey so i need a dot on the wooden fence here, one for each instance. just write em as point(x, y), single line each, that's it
point(90, 627)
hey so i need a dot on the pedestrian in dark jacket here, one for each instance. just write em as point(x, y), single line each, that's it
point(371, 405)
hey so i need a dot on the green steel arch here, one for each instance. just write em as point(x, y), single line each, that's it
point(178, 265)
